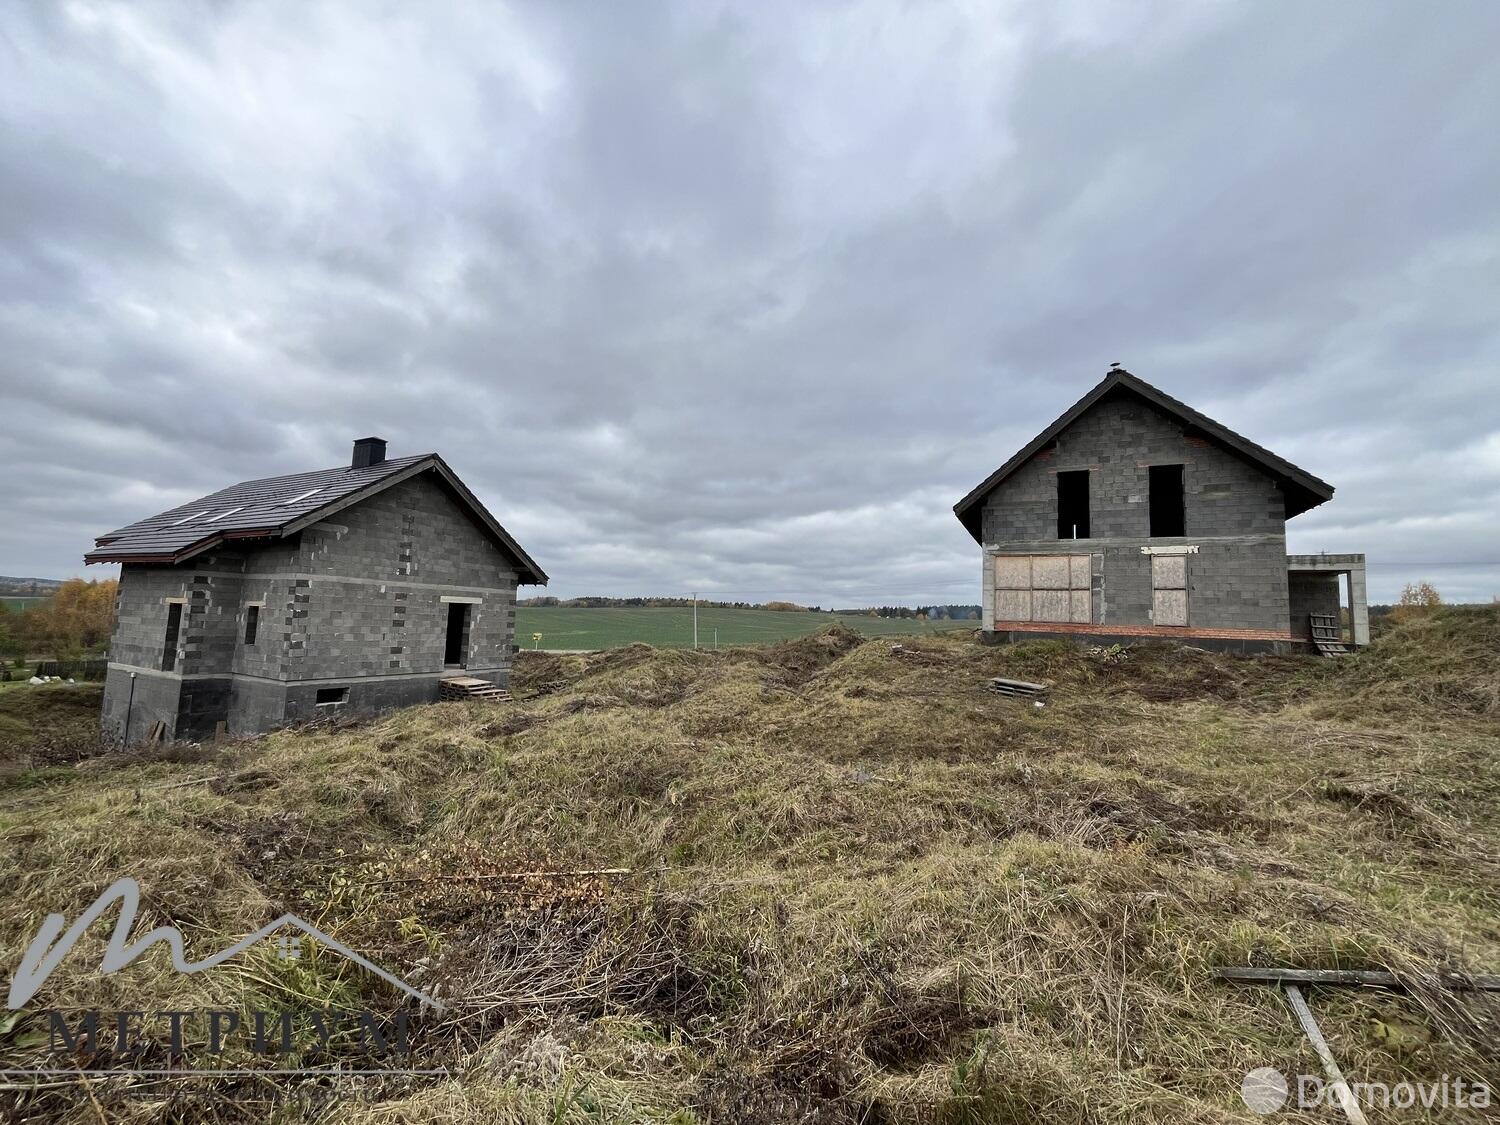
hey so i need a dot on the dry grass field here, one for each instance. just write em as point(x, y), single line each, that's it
point(856, 887)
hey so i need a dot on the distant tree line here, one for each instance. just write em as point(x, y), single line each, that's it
point(918, 613)
point(592, 602)
point(73, 623)
point(925, 613)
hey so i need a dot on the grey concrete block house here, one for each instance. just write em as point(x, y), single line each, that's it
point(345, 590)
point(1134, 516)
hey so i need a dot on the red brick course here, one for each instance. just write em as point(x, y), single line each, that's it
point(1167, 631)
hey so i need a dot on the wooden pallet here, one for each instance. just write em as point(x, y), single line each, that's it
point(1328, 634)
point(1015, 687)
point(471, 687)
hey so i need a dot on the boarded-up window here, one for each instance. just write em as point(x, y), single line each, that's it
point(1169, 590)
point(1053, 588)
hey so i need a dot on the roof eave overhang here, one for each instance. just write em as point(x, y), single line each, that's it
point(186, 553)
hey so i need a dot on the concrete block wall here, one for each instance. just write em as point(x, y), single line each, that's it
point(1234, 514)
point(1311, 593)
point(141, 614)
point(361, 593)
point(157, 697)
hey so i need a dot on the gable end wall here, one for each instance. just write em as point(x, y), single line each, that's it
point(1234, 516)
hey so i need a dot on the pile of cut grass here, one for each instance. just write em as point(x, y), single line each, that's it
point(858, 886)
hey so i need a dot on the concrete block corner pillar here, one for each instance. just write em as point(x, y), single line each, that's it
point(1359, 607)
point(987, 590)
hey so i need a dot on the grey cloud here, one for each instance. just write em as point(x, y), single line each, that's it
point(744, 298)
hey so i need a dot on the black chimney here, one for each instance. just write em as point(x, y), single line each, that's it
point(368, 451)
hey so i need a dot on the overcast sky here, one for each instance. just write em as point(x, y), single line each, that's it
point(743, 298)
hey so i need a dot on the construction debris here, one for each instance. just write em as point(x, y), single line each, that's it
point(1001, 686)
point(471, 687)
point(1356, 978)
point(1292, 982)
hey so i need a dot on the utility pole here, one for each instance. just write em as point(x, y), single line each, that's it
point(695, 619)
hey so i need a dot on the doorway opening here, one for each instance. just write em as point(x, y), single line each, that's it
point(457, 646)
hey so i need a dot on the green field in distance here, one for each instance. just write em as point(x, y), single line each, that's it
point(565, 628)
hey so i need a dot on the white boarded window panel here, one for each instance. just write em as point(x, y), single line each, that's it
point(1051, 605)
point(1013, 572)
point(1169, 572)
point(1012, 605)
point(1044, 588)
point(1078, 572)
point(1050, 572)
point(1169, 590)
point(1083, 606)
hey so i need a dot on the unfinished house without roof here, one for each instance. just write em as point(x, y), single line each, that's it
point(1134, 516)
point(347, 590)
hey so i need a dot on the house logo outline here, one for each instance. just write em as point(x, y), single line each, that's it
point(51, 944)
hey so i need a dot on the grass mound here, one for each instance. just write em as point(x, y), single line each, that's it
point(833, 880)
point(48, 724)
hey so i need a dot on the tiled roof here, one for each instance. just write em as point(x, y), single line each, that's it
point(279, 506)
point(1302, 489)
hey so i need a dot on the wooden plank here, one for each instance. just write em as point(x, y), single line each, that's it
point(1356, 978)
point(1347, 1100)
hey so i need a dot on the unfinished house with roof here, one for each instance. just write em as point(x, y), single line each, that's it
point(1134, 516)
point(346, 590)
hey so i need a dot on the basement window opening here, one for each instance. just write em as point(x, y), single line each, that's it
point(1073, 505)
point(174, 629)
point(252, 622)
point(457, 644)
point(1167, 517)
point(331, 696)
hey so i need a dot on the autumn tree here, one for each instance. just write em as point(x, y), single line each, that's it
point(10, 633)
point(1416, 598)
point(74, 622)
